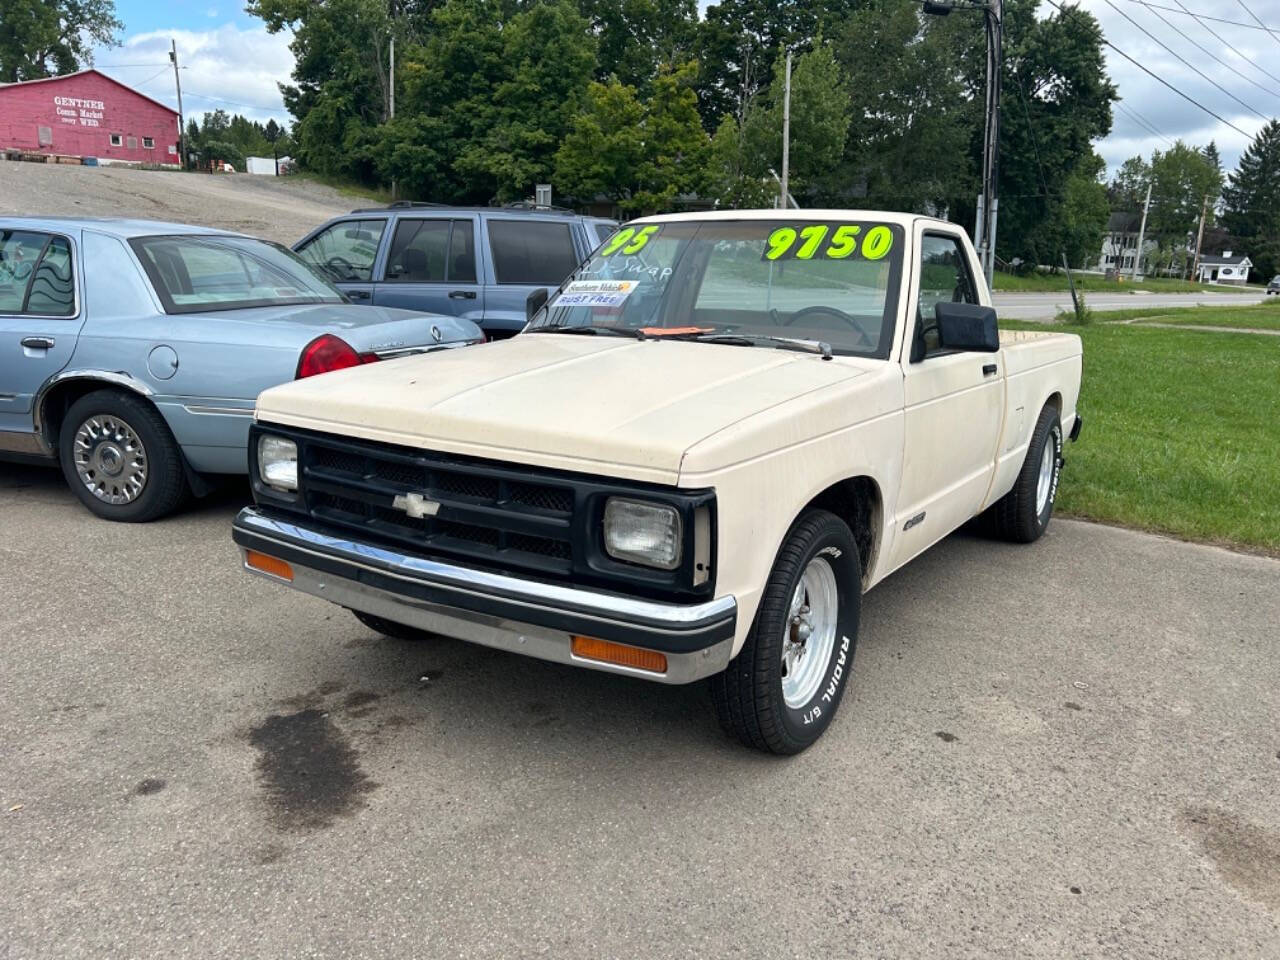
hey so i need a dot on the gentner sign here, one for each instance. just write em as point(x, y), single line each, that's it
point(87, 113)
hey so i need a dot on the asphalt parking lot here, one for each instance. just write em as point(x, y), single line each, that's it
point(1064, 750)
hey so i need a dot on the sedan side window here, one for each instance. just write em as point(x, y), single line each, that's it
point(345, 251)
point(944, 277)
point(53, 289)
point(19, 253)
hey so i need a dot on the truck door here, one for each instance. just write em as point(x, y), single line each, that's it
point(954, 404)
point(40, 320)
point(345, 253)
point(431, 266)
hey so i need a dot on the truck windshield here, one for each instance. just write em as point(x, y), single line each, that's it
point(747, 281)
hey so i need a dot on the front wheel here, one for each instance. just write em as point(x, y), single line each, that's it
point(782, 690)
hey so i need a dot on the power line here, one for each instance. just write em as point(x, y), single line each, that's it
point(1195, 103)
point(1143, 121)
point(1274, 35)
point(1221, 39)
point(230, 103)
point(1212, 56)
point(122, 66)
point(1185, 61)
point(1204, 17)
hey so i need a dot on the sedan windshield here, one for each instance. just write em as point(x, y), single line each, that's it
point(773, 283)
point(199, 273)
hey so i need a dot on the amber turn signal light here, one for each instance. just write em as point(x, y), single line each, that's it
point(272, 565)
point(605, 651)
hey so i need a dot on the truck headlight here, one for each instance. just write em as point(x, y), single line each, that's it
point(647, 533)
point(278, 463)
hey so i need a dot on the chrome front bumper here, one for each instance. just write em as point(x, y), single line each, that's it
point(494, 610)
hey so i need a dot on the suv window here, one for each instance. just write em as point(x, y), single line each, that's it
point(531, 251)
point(35, 274)
point(944, 276)
point(432, 251)
point(346, 250)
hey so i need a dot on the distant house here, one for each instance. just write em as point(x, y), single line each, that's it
point(1228, 268)
point(1120, 244)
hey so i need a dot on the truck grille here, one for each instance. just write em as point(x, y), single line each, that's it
point(485, 512)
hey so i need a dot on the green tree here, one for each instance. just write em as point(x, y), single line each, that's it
point(637, 37)
point(642, 156)
point(1181, 183)
point(1251, 201)
point(1127, 191)
point(546, 64)
point(749, 152)
point(1056, 102)
point(739, 41)
point(42, 38)
point(603, 150)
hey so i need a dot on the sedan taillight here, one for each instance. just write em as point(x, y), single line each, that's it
point(327, 353)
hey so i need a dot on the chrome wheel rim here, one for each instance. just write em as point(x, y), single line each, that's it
point(1044, 483)
point(110, 459)
point(810, 633)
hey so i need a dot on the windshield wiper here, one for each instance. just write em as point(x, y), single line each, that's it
point(755, 340)
point(597, 329)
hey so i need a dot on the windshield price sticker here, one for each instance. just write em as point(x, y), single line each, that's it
point(629, 240)
point(828, 242)
point(595, 293)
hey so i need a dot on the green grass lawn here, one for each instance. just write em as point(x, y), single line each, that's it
point(1092, 283)
point(1265, 316)
point(1181, 434)
point(348, 187)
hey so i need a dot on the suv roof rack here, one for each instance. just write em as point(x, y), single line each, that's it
point(524, 205)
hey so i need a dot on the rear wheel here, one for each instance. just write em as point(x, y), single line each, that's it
point(782, 690)
point(1022, 515)
point(389, 628)
point(120, 459)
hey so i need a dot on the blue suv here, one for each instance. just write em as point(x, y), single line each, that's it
point(479, 263)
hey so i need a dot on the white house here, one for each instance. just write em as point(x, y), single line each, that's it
point(1225, 269)
point(1120, 244)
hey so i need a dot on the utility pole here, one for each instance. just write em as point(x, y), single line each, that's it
point(988, 202)
point(392, 109)
point(786, 135)
point(1204, 208)
point(177, 82)
point(1142, 232)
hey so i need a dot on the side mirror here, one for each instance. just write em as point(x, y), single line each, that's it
point(533, 303)
point(967, 326)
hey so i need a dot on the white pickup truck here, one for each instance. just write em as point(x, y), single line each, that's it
point(719, 432)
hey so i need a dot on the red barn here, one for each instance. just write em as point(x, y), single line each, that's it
point(87, 114)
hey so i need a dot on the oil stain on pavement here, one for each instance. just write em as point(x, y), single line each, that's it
point(308, 769)
point(1246, 855)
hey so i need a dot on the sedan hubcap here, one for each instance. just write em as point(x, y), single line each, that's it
point(810, 633)
point(110, 459)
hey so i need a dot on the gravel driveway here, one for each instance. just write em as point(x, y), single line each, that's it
point(1070, 749)
point(280, 209)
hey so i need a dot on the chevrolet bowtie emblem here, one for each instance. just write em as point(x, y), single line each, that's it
point(415, 505)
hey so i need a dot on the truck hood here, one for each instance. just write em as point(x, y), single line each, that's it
point(594, 404)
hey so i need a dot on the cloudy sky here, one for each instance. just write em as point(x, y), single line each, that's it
point(232, 62)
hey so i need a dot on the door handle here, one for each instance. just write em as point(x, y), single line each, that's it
point(989, 369)
point(358, 294)
point(38, 343)
point(462, 294)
